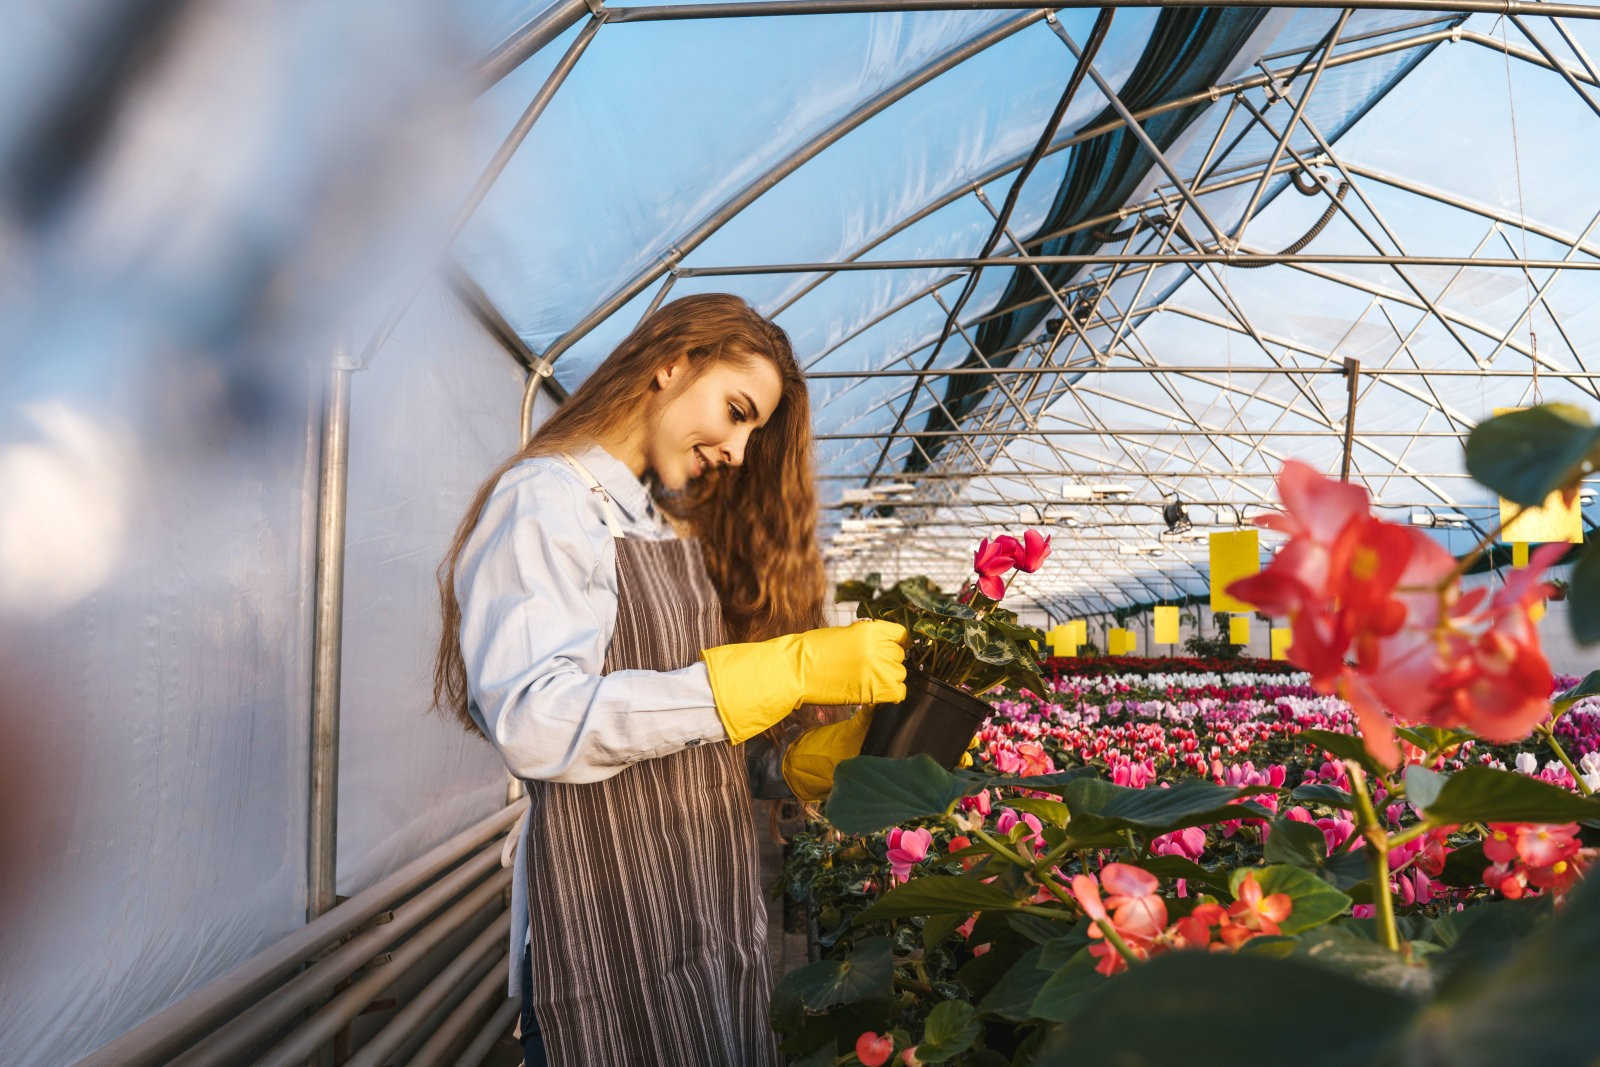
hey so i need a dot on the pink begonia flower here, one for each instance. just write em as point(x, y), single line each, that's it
point(909, 1057)
point(1256, 912)
point(1034, 759)
point(1355, 586)
point(1137, 913)
point(1034, 551)
point(907, 848)
point(965, 929)
point(874, 1050)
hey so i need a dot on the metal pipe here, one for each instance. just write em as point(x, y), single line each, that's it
point(768, 8)
point(499, 1023)
point(320, 1028)
point(322, 834)
point(1138, 131)
point(445, 986)
point(1352, 367)
point(159, 1037)
point(1098, 259)
point(1136, 432)
point(1059, 473)
point(490, 990)
point(312, 987)
point(1239, 370)
point(529, 38)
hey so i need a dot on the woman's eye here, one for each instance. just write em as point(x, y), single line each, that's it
point(736, 412)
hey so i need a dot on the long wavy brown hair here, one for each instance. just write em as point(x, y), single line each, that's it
point(756, 523)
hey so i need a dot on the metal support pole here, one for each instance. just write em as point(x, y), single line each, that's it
point(1352, 368)
point(328, 632)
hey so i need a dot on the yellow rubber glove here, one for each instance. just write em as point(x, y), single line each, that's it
point(809, 763)
point(758, 683)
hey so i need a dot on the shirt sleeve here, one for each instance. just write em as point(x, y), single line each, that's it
point(538, 593)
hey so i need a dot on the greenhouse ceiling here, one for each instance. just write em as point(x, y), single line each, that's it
point(1063, 268)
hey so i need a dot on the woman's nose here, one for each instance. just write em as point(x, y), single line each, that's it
point(733, 449)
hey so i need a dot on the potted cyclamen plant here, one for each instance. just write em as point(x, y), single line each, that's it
point(961, 647)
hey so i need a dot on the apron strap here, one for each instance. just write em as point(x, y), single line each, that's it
point(613, 522)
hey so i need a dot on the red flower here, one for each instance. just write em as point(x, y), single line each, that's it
point(1035, 550)
point(995, 558)
point(874, 1050)
point(1379, 618)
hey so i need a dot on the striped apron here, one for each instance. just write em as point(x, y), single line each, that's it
point(648, 936)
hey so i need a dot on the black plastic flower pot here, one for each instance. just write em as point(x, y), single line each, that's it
point(936, 719)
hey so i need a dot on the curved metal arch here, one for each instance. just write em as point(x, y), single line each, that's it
point(752, 190)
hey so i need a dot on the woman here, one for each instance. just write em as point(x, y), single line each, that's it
point(591, 644)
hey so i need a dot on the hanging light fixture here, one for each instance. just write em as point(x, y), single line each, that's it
point(1176, 518)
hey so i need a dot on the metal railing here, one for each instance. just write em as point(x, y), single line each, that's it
point(283, 1004)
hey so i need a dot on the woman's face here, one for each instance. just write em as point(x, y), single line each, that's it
point(706, 421)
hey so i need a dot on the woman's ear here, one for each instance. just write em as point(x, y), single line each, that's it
point(669, 373)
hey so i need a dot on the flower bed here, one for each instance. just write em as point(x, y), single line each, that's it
point(1292, 870)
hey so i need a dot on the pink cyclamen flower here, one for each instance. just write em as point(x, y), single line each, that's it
point(874, 1050)
point(907, 848)
point(1009, 820)
point(1035, 550)
point(995, 558)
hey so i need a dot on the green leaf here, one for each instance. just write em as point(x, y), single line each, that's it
point(1012, 996)
point(1527, 455)
point(1050, 812)
point(951, 1029)
point(1590, 686)
point(988, 648)
point(937, 894)
point(1059, 952)
point(1464, 866)
point(1314, 901)
point(1178, 867)
point(1483, 794)
point(1351, 873)
point(1071, 987)
point(1344, 746)
point(1315, 793)
point(873, 793)
point(925, 596)
point(938, 928)
point(1098, 807)
point(1039, 929)
point(853, 592)
point(939, 629)
point(1204, 1008)
point(1583, 598)
point(1299, 844)
point(1536, 1008)
point(1423, 786)
point(1360, 956)
point(1434, 739)
point(867, 972)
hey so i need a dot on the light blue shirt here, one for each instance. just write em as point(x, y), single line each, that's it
point(537, 585)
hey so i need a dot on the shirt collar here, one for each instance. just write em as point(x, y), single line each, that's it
point(626, 491)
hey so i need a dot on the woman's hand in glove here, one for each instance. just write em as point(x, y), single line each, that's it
point(757, 683)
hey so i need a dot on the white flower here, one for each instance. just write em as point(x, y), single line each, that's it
point(1527, 763)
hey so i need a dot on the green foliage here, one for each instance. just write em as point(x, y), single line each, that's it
point(1527, 455)
point(1483, 794)
point(976, 644)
